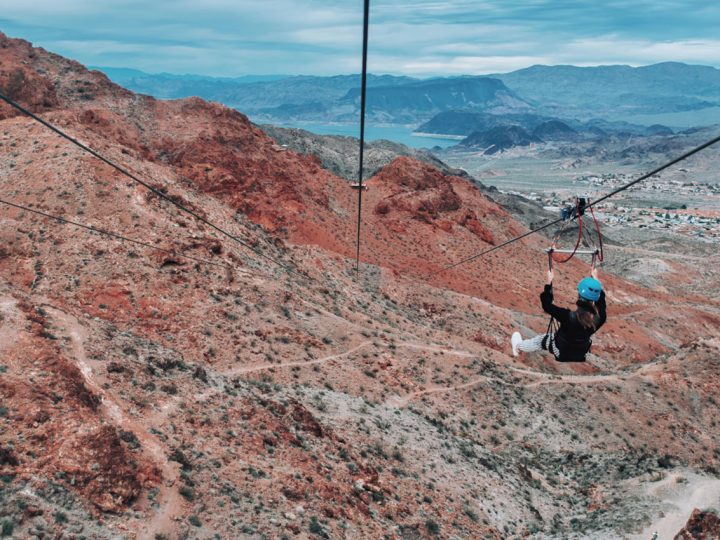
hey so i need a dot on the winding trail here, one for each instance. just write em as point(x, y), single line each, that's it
point(10, 324)
point(169, 499)
point(436, 348)
point(542, 378)
point(551, 378)
point(263, 367)
point(171, 407)
point(402, 401)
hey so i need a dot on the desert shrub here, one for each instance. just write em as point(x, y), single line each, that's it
point(432, 527)
point(6, 527)
point(60, 517)
point(187, 492)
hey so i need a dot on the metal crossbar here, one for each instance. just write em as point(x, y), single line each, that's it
point(579, 251)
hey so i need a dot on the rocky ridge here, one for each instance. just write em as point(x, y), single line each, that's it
point(339, 154)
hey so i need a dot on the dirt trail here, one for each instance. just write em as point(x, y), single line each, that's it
point(400, 402)
point(10, 324)
point(551, 378)
point(262, 367)
point(543, 378)
point(168, 496)
point(679, 500)
point(437, 348)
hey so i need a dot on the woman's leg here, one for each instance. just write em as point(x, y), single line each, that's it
point(531, 345)
point(541, 342)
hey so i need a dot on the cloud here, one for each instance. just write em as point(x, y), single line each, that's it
point(418, 37)
point(611, 49)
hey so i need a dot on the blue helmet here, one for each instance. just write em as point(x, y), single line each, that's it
point(589, 289)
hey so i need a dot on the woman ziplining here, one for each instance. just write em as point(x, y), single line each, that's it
point(568, 337)
point(568, 334)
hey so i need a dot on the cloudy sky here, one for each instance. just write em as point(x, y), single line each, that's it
point(323, 37)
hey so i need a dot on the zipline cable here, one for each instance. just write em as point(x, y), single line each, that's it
point(590, 205)
point(655, 171)
point(363, 93)
point(115, 235)
point(141, 182)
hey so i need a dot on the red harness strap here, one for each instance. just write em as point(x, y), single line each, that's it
point(577, 242)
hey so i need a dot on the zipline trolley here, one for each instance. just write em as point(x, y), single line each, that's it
point(568, 214)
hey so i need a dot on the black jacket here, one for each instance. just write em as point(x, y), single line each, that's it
point(572, 340)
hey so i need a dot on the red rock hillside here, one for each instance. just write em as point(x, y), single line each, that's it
point(147, 395)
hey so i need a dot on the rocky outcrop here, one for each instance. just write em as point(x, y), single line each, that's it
point(702, 525)
point(467, 122)
point(498, 139)
point(339, 154)
point(554, 130)
point(42, 81)
point(422, 191)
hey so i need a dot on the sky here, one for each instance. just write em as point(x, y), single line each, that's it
point(407, 37)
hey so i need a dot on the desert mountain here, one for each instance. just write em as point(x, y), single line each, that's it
point(390, 99)
point(461, 122)
point(610, 92)
point(146, 395)
point(605, 90)
point(421, 100)
point(498, 139)
point(554, 130)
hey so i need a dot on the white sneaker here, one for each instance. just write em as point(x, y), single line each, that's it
point(515, 341)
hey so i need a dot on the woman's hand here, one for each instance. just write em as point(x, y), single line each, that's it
point(594, 273)
point(550, 276)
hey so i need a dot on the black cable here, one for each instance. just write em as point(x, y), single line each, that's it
point(363, 92)
point(114, 235)
point(592, 203)
point(473, 257)
point(141, 182)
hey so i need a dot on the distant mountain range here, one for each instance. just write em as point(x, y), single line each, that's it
point(408, 102)
point(566, 92)
point(499, 130)
point(331, 99)
point(585, 92)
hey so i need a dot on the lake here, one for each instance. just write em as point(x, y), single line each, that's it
point(399, 134)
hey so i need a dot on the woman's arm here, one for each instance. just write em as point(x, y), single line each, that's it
point(546, 299)
point(600, 304)
point(601, 307)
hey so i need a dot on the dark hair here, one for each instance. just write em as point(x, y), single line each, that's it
point(586, 314)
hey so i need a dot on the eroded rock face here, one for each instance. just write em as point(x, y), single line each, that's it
point(702, 525)
point(37, 96)
point(41, 81)
point(101, 466)
point(417, 189)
